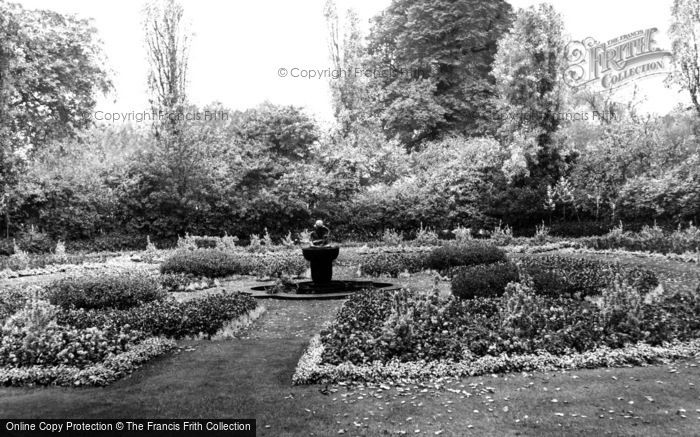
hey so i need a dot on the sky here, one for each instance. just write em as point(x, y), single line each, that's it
point(239, 47)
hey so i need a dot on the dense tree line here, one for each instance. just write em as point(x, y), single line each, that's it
point(445, 147)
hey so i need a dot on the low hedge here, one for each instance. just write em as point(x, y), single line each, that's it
point(213, 263)
point(556, 275)
point(488, 280)
point(447, 257)
point(169, 318)
point(119, 291)
point(392, 263)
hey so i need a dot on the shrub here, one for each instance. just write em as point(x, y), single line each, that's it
point(672, 316)
point(202, 262)
point(447, 257)
point(425, 237)
point(487, 280)
point(462, 234)
point(33, 241)
point(32, 337)
point(175, 281)
point(418, 327)
point(120, 291)
point(392, 238)
point(169, 317)
point(560, 275)
point(621, 313)
point(11, 301)
point(392, 263)
point(650, 239)
point(358, 323)
point(502, 235)
point(212, 263)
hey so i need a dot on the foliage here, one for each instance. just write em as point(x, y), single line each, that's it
point(621, 313)
point(685, 29)
point(568, 276)
point(462, 234)
point(453, 255)
point(32, 337)
point(99, 374)
point(212, 263)
point(169, 317)
point(51, 67)
point(119, 291)
point(672, 316)
point(485, 280)
point(528, 68)
point(650, 239)
point(502, 235)
point(392, 264)
point(444, 85)
point(392, 238)
point(425, 237)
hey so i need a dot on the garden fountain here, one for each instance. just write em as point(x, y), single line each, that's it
point(322, 286)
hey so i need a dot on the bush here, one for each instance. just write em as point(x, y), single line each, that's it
point(425, 237)
point(621, 314)
point(567, 276)
point(358, 322)
point(672, 316)
point(213, 263)
point(202, 262)
point(392, 263)
point(648, 239)
point(170, 318)
point(175, 281)
point(32, 337)
point(392, 238)
point(488, 280)
point(14, 299)
point(447, 257)
point(119, 291)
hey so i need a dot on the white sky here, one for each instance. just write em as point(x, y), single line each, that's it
point(240, 45)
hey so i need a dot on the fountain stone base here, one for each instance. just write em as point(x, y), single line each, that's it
point(321, 259)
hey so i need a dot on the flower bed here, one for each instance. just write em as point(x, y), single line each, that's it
point(214, 263)
point(408, 334)
point(102, 373)
point(168, 317)
point(312, 370)
point(103, 327)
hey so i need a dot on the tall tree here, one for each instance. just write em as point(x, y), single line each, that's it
point(685, 37)
point(431, 61)
point(51, 69)
point(346, 53)
point(528, 69)
point(168, 40)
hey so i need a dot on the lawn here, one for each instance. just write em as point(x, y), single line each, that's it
point(250, 377)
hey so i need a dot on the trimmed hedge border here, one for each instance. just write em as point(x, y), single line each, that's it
point(310, 370)
point(111, 369)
